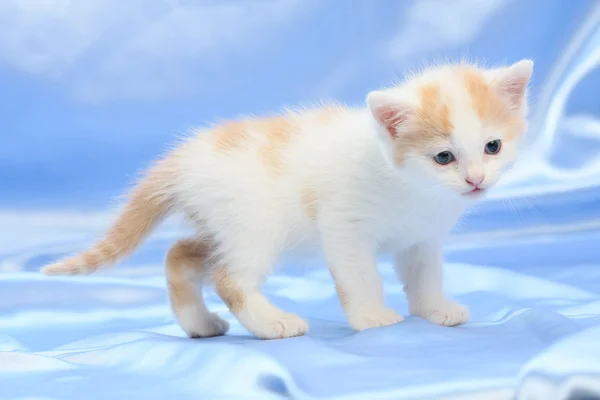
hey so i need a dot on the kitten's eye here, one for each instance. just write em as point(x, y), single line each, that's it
point(444, 158)
point(493, 147)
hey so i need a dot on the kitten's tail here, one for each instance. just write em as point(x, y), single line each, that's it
point(149, 203)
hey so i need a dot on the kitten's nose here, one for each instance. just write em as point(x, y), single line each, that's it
point(475, 179)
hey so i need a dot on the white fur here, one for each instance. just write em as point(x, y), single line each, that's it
point(197, 321)
point(364, 202)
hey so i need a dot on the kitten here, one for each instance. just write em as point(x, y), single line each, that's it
point(399, 172)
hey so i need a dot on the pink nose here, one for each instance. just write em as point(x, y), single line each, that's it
point(475, 180)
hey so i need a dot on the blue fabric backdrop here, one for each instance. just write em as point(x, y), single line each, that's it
point(91, 91)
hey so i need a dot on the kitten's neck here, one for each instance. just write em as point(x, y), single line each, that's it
point(392, 191)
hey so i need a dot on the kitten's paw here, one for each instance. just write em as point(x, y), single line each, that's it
point(446, 313)
point(373, 318)
point(203, 325)
point(213, 326)
point(278, 326)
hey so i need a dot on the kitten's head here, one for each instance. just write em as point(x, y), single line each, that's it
point(458, 125)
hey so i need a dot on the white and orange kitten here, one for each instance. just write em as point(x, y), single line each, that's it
point(399, 172)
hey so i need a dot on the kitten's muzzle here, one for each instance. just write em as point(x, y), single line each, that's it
point(475, 192)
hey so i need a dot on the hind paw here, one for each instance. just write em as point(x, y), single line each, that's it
point(198, 325)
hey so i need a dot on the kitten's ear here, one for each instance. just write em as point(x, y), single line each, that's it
point(512, 81)
point(389, 111)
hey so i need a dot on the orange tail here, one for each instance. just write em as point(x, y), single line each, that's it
point(146, 208)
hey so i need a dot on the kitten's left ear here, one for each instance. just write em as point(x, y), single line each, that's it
point(512, 81)
point(389, 111)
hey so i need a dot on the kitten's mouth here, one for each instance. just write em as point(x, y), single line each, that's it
point(475, 192)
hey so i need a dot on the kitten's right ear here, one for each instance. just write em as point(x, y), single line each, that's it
point(512, 81)
point(389, 111)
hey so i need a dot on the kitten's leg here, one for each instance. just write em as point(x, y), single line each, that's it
point(186, 268)
point(238, 279)
point(353, 265)
point(420, 268)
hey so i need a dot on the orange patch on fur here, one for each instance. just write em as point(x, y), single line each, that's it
point(489, 105)
point(279, 131)
point(431, 123)
point(276, 130)
point(185, 267)
point(479, 91)
point(434, 114)
point(309, 201)
point(231, 135)
point(227, 289)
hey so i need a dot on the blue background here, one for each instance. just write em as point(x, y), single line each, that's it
point(92, 90)
point(92, 94)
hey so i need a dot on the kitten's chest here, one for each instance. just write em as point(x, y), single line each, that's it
point(413, 221)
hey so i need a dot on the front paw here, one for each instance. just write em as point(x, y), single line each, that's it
point(373, 318)
point(275, 324)
point(444, 312)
